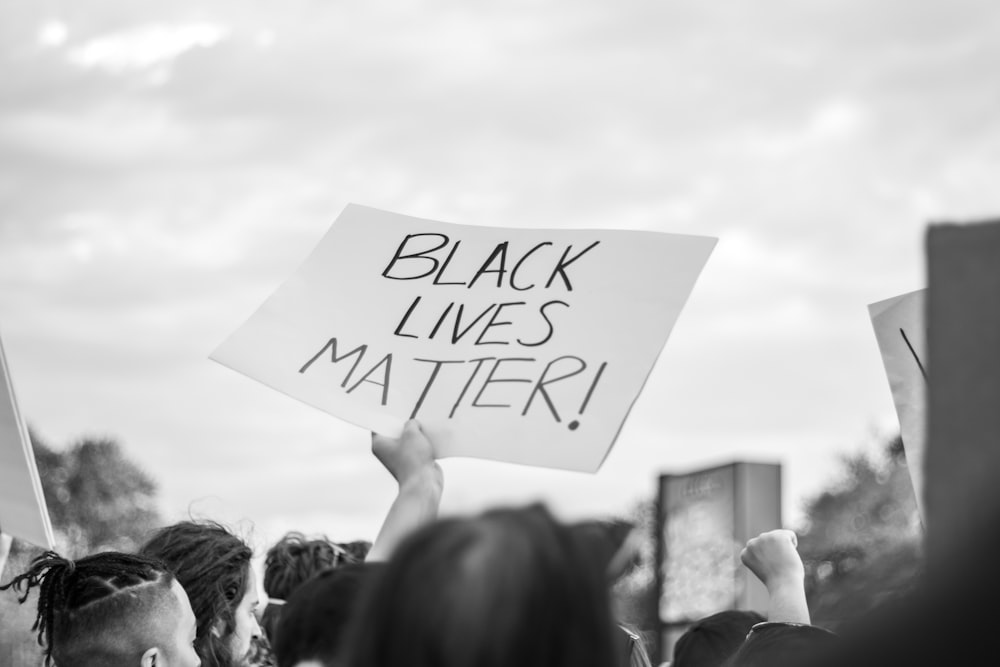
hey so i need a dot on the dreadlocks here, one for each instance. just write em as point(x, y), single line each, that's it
point(290, 562)
point(214, 567)
point(293, 559)
point(66, 587)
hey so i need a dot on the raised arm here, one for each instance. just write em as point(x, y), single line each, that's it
point(773, 558)
point(410, 460)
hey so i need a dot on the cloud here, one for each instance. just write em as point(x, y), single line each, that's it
point(163, 168)
point(833, 123)
point(52, 34)
point(147, 49)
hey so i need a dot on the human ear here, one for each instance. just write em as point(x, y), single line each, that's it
point(149, 658)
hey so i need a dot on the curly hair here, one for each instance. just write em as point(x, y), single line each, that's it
point(358, 549)
point(290, 561)
point(213, 566)
point(70, 590)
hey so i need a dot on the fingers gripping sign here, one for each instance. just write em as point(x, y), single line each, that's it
point(407, 455)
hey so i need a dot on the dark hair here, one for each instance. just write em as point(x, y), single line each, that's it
point(358, 549)
point(291, 561)
point(509, 587)
point(95, 605)
point(711, 640)
point(213, 566)
point(315, 619)
point(785, 644)
point(606, 540)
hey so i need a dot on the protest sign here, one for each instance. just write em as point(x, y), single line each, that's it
point(901, 333)
point(963, 444)
point(23, 512)
point(521, 345)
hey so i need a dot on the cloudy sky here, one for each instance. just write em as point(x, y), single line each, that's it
point(164, 166)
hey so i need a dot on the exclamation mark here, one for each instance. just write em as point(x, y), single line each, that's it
point(573, 425)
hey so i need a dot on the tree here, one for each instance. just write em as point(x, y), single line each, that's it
point(862, 541)
point(98, 499)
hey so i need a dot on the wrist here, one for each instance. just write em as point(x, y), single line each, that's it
point(786, 583)
point(428, 476)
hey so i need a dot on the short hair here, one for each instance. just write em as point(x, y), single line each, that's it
point(289, 562)
point(508, 587)
point(213, 566)
point(781, 643)
point(711, 640)
point(107, 608)
point(315, 618)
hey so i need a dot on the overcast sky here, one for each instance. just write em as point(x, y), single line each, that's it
point(164, 166)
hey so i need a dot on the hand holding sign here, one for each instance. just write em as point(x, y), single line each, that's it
point(520, 345)
point(406, 456)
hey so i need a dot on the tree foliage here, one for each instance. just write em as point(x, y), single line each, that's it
point(862, 542)
point(97, 498)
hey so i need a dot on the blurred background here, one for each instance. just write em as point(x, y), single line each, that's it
point(163, 167)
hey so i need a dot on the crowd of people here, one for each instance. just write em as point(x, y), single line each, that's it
point(510, 587)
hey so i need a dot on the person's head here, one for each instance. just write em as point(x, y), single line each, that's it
point(291, 561)
point(213, 566)
point(613, 542)
point(315, 618)
point(711, 640)
point(110, 610)
point(785, 644)
point(508, 587)
point(356, 549)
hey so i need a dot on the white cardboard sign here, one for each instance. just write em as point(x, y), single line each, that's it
point(902, 333)
point(521, 345)
point(23, 512)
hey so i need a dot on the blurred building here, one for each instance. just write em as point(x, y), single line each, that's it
point(703, 520)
